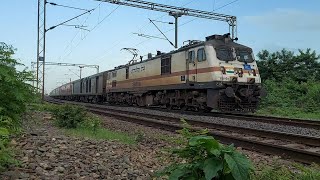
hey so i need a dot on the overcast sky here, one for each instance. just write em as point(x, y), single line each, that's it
point(271, 25)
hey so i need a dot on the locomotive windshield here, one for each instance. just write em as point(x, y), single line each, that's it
point(244, 55)
point(225, 54)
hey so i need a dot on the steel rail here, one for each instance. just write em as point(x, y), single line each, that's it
point(283, 151)
point(315, 124)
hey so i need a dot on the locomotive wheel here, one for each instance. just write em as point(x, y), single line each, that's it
point(169, 106)
point(184, 108)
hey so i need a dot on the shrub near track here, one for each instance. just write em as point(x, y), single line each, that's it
point(15, 93)
point(203, 157)
point(78, 122)
point(69, 116)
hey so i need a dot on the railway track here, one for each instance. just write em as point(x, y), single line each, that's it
point(313, 124)
point(301, 148)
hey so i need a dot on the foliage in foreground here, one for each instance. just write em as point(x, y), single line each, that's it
point(203, 157)
point(102, 134)
point(79, 122)
point(280, 172)
point(15, 94)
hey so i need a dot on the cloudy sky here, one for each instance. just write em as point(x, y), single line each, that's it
point(271, 25)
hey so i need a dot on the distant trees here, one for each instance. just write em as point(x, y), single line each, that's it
point(285, 64)
point(292, 81)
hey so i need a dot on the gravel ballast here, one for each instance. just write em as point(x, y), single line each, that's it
point(46, 152)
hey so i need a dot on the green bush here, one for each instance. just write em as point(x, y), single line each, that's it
point(292, 83)
point(69, 116)
point(203, 157)
point(14, 96)
point(298, 172)
point(290, 98)
point(91, 122)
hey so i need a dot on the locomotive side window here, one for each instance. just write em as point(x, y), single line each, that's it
point(191, 56)
point(127, 72)
point(201, 55)
point(108, 76)
point(166, 65)
point(224, 54)
point(114, 74)
point(114, 83)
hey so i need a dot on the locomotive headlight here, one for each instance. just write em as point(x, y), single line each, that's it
point(254, 72)
point(223, 70)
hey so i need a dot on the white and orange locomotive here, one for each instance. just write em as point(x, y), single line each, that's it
point(214, 74)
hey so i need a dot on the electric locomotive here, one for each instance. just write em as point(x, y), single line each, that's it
point(217, 73)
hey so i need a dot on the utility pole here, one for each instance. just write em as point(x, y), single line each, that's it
point(176, 15)
point(41, 41)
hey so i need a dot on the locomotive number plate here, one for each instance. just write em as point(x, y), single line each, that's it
point(246, 67)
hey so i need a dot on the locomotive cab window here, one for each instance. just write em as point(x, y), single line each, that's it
point(201, 55)
point(224, 54)
point(166, 65)
point(191, 56)
point(244, 55)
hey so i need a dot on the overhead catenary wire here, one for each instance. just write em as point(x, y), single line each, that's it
point(70, 43)
point(55, 4)
point(187, 22)
point(108, 15)
point(98, 59)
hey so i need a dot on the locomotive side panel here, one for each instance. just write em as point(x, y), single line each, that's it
point(76, 87)
point(162, 71)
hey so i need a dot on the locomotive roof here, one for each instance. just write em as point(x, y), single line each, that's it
point(214, 40)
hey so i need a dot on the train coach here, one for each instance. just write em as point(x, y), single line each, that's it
point(217, 73)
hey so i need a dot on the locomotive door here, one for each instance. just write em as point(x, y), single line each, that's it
point(191, 67)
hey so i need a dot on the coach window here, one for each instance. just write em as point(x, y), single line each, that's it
point(166, 65)
point(201, 55)
point(89, 85)
point(81, 85)
point(191, 56)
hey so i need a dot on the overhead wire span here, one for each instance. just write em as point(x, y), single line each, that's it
point(187, 22)
point(70, 43)
point(95, 27)
point(119, 41)
point(55, 4)
point(108, 15)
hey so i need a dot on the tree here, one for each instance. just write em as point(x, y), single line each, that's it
point(284, 64)
point(15, 93)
